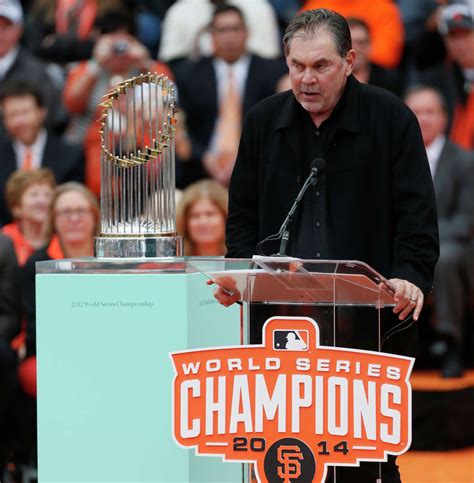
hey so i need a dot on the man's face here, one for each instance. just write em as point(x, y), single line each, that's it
point(10, 34)
point(318, 74)
point(23, 118)
point(229, 36)
point(361, 45)
point(429, 112)
point(460, 45)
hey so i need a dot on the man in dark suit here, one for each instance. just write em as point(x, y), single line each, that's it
point(29, 145)
point(452, 169)
point(17, 63)
point(204, 88)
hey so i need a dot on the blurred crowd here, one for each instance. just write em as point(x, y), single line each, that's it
point(59, 57)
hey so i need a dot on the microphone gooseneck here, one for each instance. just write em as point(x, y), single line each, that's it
point(318, 166)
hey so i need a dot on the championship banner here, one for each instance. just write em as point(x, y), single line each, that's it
point(291, 406)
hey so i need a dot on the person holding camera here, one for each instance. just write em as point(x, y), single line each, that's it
point(117, 55)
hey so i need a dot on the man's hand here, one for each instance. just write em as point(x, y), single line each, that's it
point(226, 292)
point(102, 51)
point(408, 298)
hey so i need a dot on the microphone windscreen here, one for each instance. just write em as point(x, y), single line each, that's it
point(319, 164)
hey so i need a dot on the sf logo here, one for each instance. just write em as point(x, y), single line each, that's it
point(289, 460)
point(289, 467)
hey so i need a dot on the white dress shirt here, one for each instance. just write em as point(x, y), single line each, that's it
point(433, 151)
point(240, 69)
point(469, 74)
point(37, 149)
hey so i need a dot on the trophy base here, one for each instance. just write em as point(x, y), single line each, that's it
point(138, 247)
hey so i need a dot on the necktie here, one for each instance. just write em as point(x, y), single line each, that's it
point(27, 160)
point(230, 120)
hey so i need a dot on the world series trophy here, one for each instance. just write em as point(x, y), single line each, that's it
point(138, 170)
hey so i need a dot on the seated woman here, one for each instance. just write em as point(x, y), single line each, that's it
point(200, 218)
point(74, 219)
point(28, 195)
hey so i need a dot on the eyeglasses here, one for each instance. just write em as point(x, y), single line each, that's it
point(69, 213)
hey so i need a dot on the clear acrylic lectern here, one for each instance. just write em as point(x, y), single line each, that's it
point(346, 298)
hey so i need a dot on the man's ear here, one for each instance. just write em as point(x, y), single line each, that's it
point(350, 59)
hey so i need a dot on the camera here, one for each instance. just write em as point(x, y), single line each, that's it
point(120, 47)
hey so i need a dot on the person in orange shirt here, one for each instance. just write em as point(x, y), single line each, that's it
point(29, 195)
point(73, 217)
point(63, 31)
point(457, 27)
point(117, 56)
point(382, 17)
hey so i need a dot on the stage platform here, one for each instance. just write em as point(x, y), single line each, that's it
point(443, 411)
point(455, 466)
point(443, 430)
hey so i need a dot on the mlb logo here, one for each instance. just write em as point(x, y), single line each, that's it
point(290, 340)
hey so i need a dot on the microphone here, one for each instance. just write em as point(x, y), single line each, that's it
point(318, 166)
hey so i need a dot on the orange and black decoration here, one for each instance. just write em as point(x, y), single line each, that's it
point(291, 406)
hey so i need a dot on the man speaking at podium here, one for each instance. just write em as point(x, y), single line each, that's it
point(374, 199)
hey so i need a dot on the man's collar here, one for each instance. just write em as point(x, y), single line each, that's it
point(8, 60)
point(289, 112)
point(344, 116)
point(243, 60)
point(434, 150)
point(38, 144)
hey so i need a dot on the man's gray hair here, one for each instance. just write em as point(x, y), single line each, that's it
point(310, 21)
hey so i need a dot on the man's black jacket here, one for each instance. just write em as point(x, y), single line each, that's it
point(381, 203)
